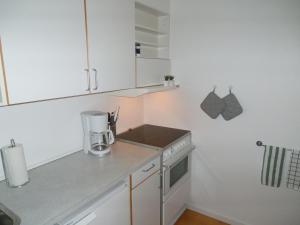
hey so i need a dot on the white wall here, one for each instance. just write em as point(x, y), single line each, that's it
point(53, 128)
point(253, 45)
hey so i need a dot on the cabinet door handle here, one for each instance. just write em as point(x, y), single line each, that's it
point(150, 168)
point(96, 79)
point(87, 219)
point(88, 80)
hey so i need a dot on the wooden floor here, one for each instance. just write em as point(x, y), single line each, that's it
point(190, 217)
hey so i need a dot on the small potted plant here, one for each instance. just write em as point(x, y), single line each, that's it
point(166, 80)
point(169, 81)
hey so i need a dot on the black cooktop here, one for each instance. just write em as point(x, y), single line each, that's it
point(152, 135)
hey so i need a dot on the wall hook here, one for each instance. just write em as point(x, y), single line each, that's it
point(215, 87)
point(230, 89)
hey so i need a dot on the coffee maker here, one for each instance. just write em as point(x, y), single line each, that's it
point(97, 136)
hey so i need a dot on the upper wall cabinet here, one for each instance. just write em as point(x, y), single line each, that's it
point(111, 44)
point(43, 48)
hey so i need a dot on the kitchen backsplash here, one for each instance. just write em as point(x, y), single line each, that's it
point(51, 129)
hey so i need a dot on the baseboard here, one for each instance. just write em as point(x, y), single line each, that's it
point(222, 218)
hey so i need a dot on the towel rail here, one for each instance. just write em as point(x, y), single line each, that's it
point(260, 144)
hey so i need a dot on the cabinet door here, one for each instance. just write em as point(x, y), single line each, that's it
point(146, 202)
point(115, 211)
point(44, 48)
point(2, 85)
point(111, 44)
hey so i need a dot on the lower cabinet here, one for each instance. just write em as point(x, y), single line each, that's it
point(111, 209)
point(146, 201)
point(115, 210)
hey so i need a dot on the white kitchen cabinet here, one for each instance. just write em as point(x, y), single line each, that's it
point(175, 204)
point(113, 208)
point(114, 211)
point(3, 100)
point(111, 44)
point(146, 201)
point(44, 48)
point(151, 71)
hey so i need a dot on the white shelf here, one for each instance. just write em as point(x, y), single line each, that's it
point(149, 30)
point(150, 44)
point(149, 10)
point(140, 57)
point(136, 92)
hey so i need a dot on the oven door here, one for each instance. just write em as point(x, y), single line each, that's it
point(176, 173)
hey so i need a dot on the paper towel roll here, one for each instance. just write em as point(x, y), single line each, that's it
point(14, 165)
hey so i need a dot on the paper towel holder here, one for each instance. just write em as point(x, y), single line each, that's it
point(12, 143)
point(11, 182)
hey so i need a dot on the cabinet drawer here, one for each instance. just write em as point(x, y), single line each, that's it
point(145, 172)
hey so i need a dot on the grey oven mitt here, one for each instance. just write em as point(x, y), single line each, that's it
point(213, 105)
point(233, 107)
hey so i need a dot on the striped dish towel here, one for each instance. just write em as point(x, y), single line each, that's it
point(273, 163)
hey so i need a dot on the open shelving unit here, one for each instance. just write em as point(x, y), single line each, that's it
point(152, 31)
point(152, 28)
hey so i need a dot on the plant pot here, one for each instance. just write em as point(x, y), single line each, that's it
point(171, 83)
point(166, 83)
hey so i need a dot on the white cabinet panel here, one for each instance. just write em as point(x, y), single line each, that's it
point(146, 202)
point(2, 85)
point(145, 172)
point(111, 44)
point(176, 203)
point(113, 208)
point(151, 71)
point(115, 211)
point(44, 48)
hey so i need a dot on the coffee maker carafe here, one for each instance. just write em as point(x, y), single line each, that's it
point(97, 136)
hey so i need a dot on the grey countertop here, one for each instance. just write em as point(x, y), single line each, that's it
point(62, 186)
